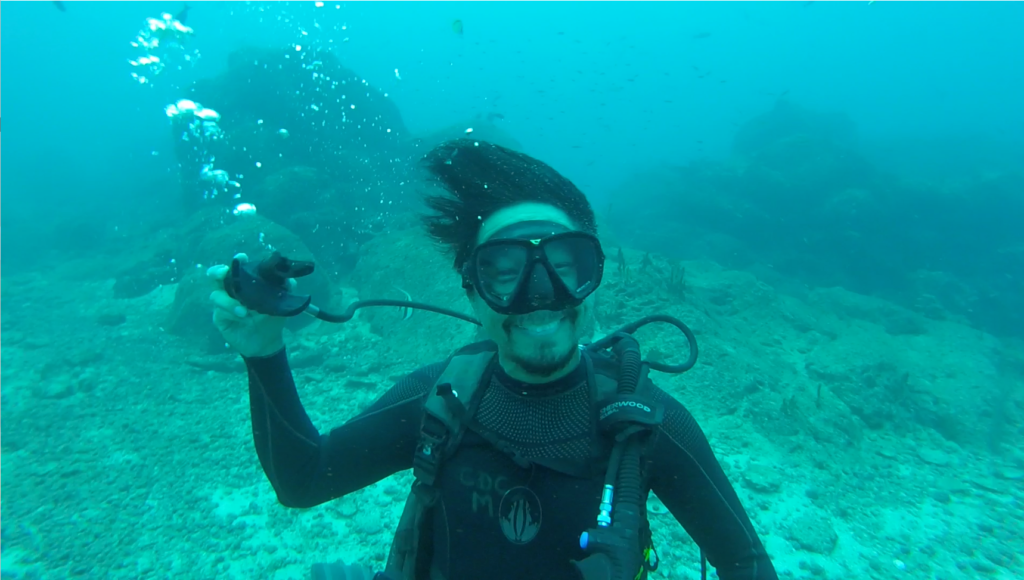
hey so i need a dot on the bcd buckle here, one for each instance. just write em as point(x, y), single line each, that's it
point(427, 458)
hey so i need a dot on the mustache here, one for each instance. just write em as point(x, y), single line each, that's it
point(571, 314)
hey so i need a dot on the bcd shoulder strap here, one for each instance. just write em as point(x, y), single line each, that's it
point(440, 432)
point(441, 429)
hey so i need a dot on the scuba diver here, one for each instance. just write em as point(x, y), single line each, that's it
point(533, 454)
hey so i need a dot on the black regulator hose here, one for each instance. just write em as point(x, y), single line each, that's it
point(627, 508)
point(632, 327)
point(629, 482)
point(628, 351)
point(264, 288)
point(351, 310)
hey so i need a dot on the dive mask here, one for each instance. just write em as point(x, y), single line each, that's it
point(535, 265)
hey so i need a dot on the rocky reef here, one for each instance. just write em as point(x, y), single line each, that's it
point(797, 200)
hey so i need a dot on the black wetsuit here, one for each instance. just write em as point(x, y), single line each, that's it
point(497, 520)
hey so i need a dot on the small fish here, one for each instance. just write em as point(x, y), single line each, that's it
point(701, 35)
point(60, 6)
point(492, 117)
point(183, 14)
point(457, 27)
point(406, 311)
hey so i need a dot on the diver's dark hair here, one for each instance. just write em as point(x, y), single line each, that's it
point(481, 178)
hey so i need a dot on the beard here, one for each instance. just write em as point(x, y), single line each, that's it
point(543, 357)
point(544, 362)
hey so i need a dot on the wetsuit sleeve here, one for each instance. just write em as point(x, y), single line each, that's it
point(307, 468)
point(690, 482)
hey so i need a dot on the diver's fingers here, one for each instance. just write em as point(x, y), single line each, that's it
point(226, 303)
point(218, 272)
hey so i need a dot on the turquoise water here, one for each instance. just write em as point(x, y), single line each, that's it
point(828, 193)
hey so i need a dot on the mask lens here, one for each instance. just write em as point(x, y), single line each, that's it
point(499, 270)
point(576, 261)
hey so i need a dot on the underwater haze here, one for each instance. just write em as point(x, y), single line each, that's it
point(829, 193)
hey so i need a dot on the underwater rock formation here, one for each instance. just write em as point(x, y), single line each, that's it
point(788, 120)
point(152, 264)
point(798, 198)
point(298, 133)
point(282, 109)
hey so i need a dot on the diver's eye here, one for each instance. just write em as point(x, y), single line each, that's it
point(506, 276)
point(565, 269)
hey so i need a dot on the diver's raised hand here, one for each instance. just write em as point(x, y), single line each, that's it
point(247, 331)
